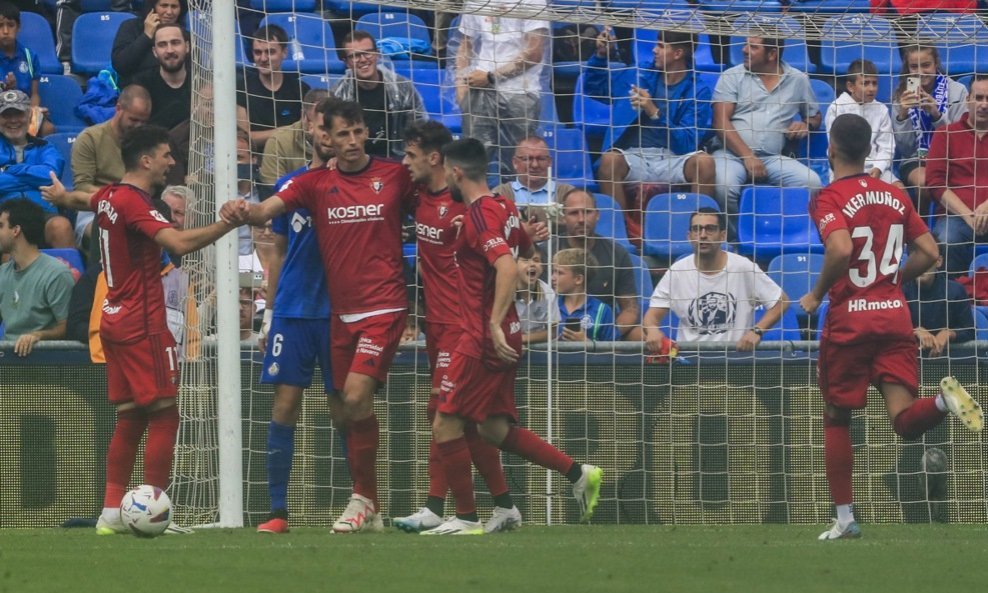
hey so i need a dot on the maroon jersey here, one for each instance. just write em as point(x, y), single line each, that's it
point(127, 222)
point(436, 234)
point(491, 229)
point(357, 217)
point(867, 302)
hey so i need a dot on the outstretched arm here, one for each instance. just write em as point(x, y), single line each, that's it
point(58, 195)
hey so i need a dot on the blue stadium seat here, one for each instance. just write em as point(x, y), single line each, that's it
point(829, 6)
point(96, 5)
point(439, 100)
point(611, 223)
point(643, 281)
point(959, 38)
point(69, 256)
point(794, 53)
point(980, 325)
point(571, 159)
point(350, 9)
point(60, 94)
point(785, 329)
point(741, 6)
point(283, 5)
point(321, 81)
point(199, 21)
point(774, 220)
point(850, 37)
point(394, 24)
point(36, 35)
point(796, 273)
point(886, 87)
point(312, 49)
point(670, 325)
point(825, 94)
point(981, 261)
point(63, 142)
point(92, 40)
point(667, 218)
point(816, 145)
point(593, 115)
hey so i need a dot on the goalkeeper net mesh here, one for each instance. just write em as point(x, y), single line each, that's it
point(705, 436)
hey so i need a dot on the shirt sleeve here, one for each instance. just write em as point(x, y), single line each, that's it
point(145, 220)
point(293, 193)
point(624, 273)
point(487, 231)
point(810, 107)
point(603, 328)
point(764, 289)
point(826, 215)
point(726, 90)
point(58, 293)
point(660, 296)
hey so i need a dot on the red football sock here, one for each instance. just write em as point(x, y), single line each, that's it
point(838, 456)
point(362, 437)
point(455, 455)
point(159, 450)
point(529, 445)
point(923, 415)
point(487, 458)
point(437, 475)
point(121, 454)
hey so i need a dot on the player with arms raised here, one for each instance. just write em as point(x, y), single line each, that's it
point(868, 335)
point(479, 385)
point(141, 355)
point(437, 220)
point(357, 212)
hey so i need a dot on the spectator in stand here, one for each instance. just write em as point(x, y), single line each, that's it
point(535, 301)
point(96, 159)
point(498, 73)
point(391, 102)
point(668, 118)
point(132, 47)
point(67, 12)
point(532, 187)
point(582, 317)
point(267, 97)
point(290, 147)
point(714, 293)
point(177, 197)
point(957, 178)
point(20, 69)
point(755, 109)
point(861, 83)
point(34, 287)
point(26, 164)
point(612, 279)
point(936, 102)
point(170, 84)
point(940, 309)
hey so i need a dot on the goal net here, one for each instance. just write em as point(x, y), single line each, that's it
point(703, 435)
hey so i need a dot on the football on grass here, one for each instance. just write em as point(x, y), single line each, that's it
point(146, 511)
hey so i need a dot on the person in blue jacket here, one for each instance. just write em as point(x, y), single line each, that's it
point(582, 317)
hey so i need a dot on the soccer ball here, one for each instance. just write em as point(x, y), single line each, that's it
point(146, 511)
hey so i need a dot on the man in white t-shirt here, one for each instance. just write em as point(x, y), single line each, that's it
point(498, 75)
point(714, 293)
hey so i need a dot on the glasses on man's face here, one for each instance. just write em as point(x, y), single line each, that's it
point(359, 56)
point(533, 159)
point(710, 229)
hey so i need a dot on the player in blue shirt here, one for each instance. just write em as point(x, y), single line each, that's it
point(581, 317)
point(296, 332)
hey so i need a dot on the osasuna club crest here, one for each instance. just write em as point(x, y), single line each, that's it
point(377, 185)
point(442, 211)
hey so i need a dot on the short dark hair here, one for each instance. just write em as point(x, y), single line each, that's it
point(469, 155)
point(130, 93)
point(29, 216)
point(430, 135)
point(358, 35)
point(185, 34)
point(978, 77)
point(776, 43)
point(708, 211)
point(141, 141)
point(858, 68)
point(351, 112)
point(270, 33)
point(10, 12)
point(850, 137)
point(149, 5)
point(682, 40)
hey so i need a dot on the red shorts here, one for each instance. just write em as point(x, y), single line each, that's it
point(474, 392)
point(440, 340)
point(366, 346)
point(143, 371)
point(844, 371)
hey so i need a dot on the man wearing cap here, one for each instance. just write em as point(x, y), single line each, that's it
point(26, 163)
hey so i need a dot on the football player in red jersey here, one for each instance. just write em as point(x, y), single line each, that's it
point(437, 219)
point(868, 336)
point(141, 357)
point(479, 385)
point(357, 209)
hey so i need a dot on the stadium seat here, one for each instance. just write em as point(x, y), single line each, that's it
point(95, 5)
point(981, 261)
point(703, 58)
point(60, 94)
point(571, 159)
point(741, 6)
point(850, 37)
point(63, 142)
point(36, 35)
point(796, 273)
point(394, 24)
point(774, 220)
point(439, 100)
point(957, 38)
point(643, 281)
point(69, 256)
point(785, 329)
point(611, 223)
point(980, 325)
point(667, 218)
point(590, 113)
point(267, 6)
point(829, 6)
point(795, 52)
point(199, 22)
point(350, 9)
point(312, 49)
point(92, 40)
point(321, 81)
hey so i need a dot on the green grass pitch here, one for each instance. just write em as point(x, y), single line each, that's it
point(572, 559)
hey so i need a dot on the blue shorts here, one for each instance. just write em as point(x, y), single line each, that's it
point(294, 347)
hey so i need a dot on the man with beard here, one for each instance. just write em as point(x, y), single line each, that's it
point(170, 84)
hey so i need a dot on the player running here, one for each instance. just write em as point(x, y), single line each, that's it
point(868, 335)
point(295, 334)
point(479, 385)
point(358, 210)
point(141, 355)
point(437, 219)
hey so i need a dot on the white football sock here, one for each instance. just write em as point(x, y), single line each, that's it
point(845, 515)
point(941, 405)
point(111, 514)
